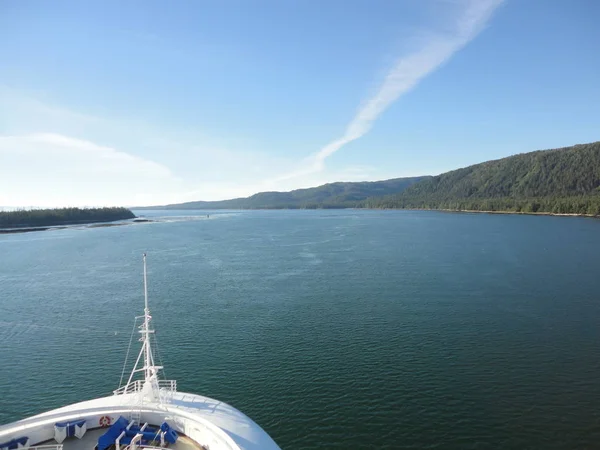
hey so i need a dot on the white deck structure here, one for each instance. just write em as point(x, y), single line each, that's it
point(201, 422)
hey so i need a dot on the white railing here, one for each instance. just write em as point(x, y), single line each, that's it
point(168, 386)
point(184, 420)
point(134, 386)
point(44, 447)
point(151, 447)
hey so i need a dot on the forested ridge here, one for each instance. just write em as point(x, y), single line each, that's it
point(61, 216)
point(562, 181)
point(331, 195)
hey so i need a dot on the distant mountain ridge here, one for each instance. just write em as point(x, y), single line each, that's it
point(331, 195)
point(560, 181)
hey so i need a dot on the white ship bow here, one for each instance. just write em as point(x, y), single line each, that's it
point(146, 413)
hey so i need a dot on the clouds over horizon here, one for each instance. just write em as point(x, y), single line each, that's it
point(53, 156)
point(60, 168)
point(54, 170)
point(48, 169)
point(436, 47)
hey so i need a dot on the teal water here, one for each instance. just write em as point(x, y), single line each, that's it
point(331, 329)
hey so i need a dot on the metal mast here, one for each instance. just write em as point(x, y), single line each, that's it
point(149, 368)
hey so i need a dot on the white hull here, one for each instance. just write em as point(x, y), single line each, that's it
point(133, 414)
point(208, 422)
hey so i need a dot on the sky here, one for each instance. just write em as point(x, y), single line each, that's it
point(149, 102)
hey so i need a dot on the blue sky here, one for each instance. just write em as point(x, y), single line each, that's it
point(152, 102)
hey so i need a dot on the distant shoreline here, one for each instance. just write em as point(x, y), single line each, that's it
point(22, 221)
point(464, 211)
point(515, 212)
point(74, 225)
point(28, 229)
point(538, 213)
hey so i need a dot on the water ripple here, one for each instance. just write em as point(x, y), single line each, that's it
point(330, 329)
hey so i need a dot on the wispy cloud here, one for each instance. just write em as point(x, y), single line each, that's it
point(48, 169)
point(150, 163)
point(104, 158)
point(45, 144)
point(434, 50)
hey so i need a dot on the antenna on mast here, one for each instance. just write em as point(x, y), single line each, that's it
point(150, 370)
point(146, 311)
point(150, 381)
point(148, 359)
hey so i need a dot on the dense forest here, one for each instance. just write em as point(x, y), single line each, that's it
point(62, 216)
point(562, 181)
point(332, 195)
point(587, 205)
point(559, 181)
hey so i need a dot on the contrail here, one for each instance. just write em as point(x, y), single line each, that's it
point(405, 75)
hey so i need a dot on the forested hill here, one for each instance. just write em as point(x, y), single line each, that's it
point(332, 195)
point(61, 216)
point(565, 180)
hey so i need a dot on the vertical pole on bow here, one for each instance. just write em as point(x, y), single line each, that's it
point(148, 360)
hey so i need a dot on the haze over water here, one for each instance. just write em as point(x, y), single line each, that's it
point(330, 329)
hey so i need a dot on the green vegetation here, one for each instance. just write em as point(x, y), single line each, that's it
point(332, 195)
point(589, 205)
point(561, 181)
point(62, 216)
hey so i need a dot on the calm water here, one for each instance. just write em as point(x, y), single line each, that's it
point(329, 328)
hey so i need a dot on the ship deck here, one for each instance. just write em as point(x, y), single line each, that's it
point(90, 439)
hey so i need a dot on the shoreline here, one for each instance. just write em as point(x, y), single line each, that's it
point(146, 220)
point(524, 213)
point(23, 220)
point(393, 209)
point(75, 226)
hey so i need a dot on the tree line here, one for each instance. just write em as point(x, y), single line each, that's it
point(587, 205)
point(61, 216)
point(559, 181)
